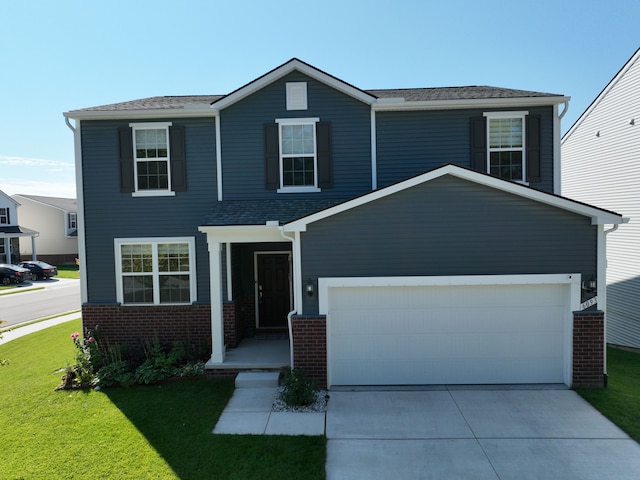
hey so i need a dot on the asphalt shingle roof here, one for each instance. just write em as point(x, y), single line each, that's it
point(68, 204)
point(259, 212)
point(409, 95)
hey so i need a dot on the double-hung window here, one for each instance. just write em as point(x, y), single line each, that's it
point(4, 216)
point(155, 271)
point(298, 154)
point(506, 145)
point(151, 157)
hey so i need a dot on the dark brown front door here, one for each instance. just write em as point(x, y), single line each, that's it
point(274, 290)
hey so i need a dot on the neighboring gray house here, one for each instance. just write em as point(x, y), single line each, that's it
point(57, 221)
point(601, 165)
point(11, 232)
point(410, 236)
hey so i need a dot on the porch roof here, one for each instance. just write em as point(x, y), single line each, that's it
point(17, 231)
point(259, 212)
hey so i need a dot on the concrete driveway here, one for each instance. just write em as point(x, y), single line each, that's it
point(474, 434)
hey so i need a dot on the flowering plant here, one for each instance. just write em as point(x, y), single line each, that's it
point(88, 359)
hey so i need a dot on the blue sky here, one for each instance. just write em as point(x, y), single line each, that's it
point(60, 56)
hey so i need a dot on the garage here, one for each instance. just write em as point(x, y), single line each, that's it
point(510, 329)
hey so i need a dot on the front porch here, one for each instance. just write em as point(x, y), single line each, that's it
point(262, 352)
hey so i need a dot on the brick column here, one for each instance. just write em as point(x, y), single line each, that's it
point(588, 349)
point(310, 347)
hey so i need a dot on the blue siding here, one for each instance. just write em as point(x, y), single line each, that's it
point(448, 226)
point(410, 143)
point(110, 214)
point(243, 147)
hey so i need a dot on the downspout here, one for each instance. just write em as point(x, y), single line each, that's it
point(557, 140)
point(80, 201)
point(602, 294)
point(295, 306)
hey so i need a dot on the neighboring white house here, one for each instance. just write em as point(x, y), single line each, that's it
point(56, 220)
point(601, 166)
point(11, 232)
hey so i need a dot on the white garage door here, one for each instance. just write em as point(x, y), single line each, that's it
point(449, 334)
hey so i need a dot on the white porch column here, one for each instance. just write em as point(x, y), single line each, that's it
point(217, 324)
point(7, 250)
point(34, 255)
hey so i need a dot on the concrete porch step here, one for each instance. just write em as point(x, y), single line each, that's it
point(257, 379)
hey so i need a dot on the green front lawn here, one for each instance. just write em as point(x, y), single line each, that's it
point(68, 271)
point(145, 432)
point(620, 401)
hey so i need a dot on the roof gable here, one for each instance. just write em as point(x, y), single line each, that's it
point(605, 91)
point(598, 216)
point(284, 69)
point(5, 199)
point(66, 204)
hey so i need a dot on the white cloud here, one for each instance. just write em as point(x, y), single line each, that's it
point(6, 160)
point(37, 176)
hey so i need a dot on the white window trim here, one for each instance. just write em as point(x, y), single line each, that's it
point(516, 114)
point(154, 241)
point(299, 188)
point(151, 193)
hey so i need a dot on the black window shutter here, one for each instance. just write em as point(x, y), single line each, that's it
point(534, 173)
point(8, 216)
point(479, 144)
point(323, 140)
point(271, 156)
point(127, 184)
point(178, 159)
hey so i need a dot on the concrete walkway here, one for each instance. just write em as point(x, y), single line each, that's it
point(474, 434)
point(18, 331)
point(249, 410)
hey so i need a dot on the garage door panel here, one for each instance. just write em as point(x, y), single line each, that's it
point(447, 335)
point(413, 320)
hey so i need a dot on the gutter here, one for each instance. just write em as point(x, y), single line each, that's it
point(401, 104)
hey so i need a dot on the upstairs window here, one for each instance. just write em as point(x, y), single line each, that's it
point(4, 216)
point(298, 155)
point(72, 224)
point(72, 221)
point(152, 159)
point(155, 272)
point(505, 134)
point(151, 155)
point(507, 145)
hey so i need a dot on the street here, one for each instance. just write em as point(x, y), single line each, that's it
point(59, 295)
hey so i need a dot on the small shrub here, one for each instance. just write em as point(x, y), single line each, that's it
point(115, 373)
point(297, 388)
point(159, 365)
point(190, 370)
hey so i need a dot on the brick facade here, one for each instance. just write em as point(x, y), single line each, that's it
point(133, 326)
point(588, 349)
point(310, 347)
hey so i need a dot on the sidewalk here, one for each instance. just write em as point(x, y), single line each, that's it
point(18, 331)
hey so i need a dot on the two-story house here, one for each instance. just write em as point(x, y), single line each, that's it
point(410, 236)
point(11, 232)
point(57, 221)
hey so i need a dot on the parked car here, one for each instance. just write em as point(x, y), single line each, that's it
point(40, 270)
point(13, 274)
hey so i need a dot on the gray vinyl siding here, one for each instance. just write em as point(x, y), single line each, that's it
point(412, 142)
point(242, 131)
point(448, 226)
point(109, 214)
